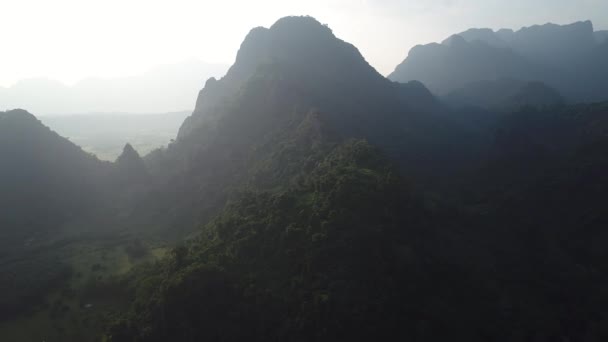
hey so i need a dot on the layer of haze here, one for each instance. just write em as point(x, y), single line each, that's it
point(68, 40)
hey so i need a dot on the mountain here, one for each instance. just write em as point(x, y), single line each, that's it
point(46, 182)
point(241, 122)
point(255, 138)
point(166, 88)
point(105, 134)
point(504, 94)
point(332, 255)
point(555, 45)
point(309, 198)
point(570, 58)
point(352, 97)
point(42, 173)
point(601, 36)
point(269, 90)
point(312, 223)
point(456, 62)
point(130, 166)
point(285, 49)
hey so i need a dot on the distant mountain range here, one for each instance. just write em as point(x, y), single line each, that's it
point(167, 88)
point(105, 134)
point(571, 58)
point(503, 94)
point(43, 173)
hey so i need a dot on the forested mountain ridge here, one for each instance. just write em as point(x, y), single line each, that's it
point(288, 243)
point(311, 260)
point(503, 95)
point(343, 215)
point(312, 199)
point(43, 172)
point(570, 58)
point(45, 182)
point(272, 86)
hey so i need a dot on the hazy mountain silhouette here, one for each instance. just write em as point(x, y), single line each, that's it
point(601, 36)
point(301, 252)
point(45, 180)
point(130, 164)
point(288, 49)
point(504, 94)
point(570, 58)
point(163, 89)
point(105, 134)
point(281, 75)
point(551, 44)
point(320, 201)
point(295, 67)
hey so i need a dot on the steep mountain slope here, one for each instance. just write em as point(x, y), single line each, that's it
point(543, 186)
point(601, 36)
point(343, 252)
point(504, 95)
point(333, 74)
point(343, 249)
point(327, 242)
point(281, 75)
point(130, 165)
point(536, 144)
point(45, 182)
point(559, 46)
point(301, 182)
point(457, 62)
point(44, 179)
point(569, 58)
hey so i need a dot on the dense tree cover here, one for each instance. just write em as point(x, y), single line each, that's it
point(324, 202)
point(270, 88)
point(26, 282)
point(547, 168)
point(279, 259)
point(331, 256)
point(541, 190)
point(504, 95)
point(345, 249)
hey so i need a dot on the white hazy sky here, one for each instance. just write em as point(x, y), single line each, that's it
point(68, 40)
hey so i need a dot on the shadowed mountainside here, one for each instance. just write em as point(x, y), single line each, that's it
point(570, 58)
point(504, 94)
point(316, 200)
